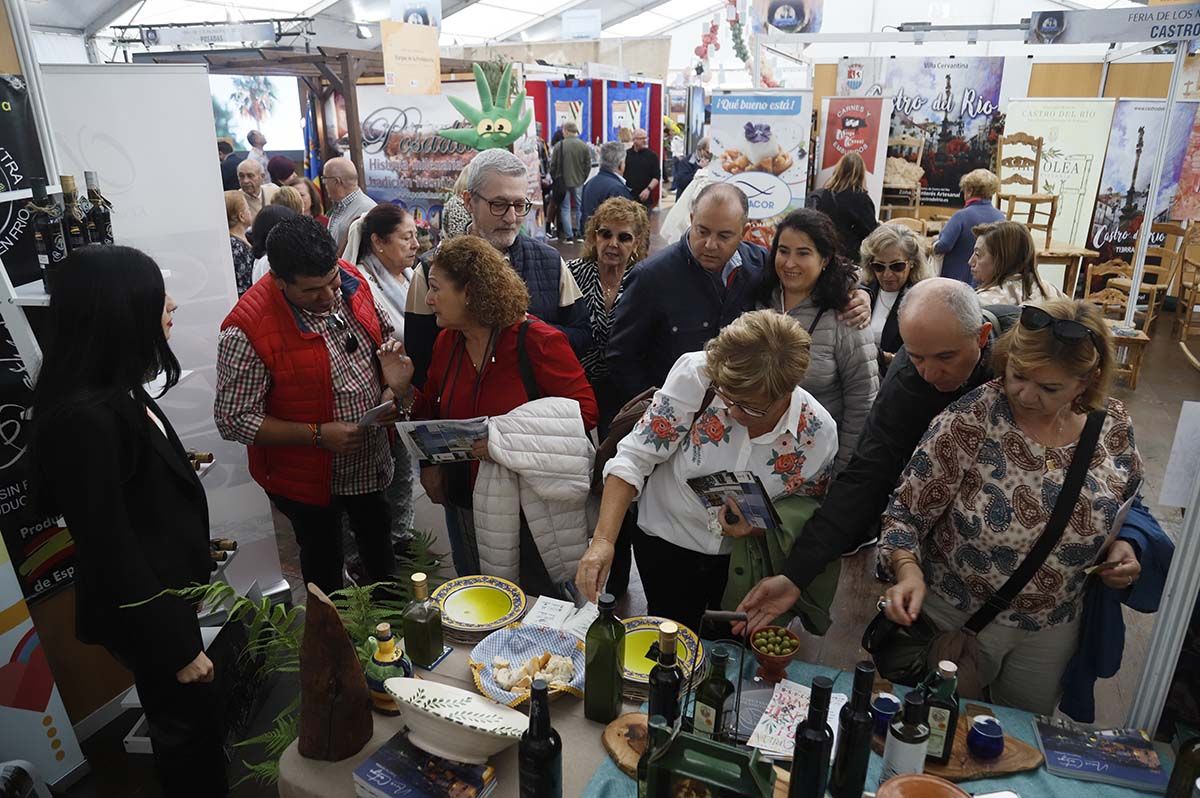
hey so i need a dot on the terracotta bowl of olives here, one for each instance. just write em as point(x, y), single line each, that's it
point(774, 647)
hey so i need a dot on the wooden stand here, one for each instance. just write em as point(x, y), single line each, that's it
point(335, 706)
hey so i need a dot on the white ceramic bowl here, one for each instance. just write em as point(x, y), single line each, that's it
point(454, 723)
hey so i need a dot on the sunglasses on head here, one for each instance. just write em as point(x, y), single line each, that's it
point(1068, 331)
point(351, 342)
point(607, 235)
point(897, 266)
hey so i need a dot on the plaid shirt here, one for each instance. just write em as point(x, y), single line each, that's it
point(243, 382)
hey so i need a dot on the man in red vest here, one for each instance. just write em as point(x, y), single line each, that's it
point(296, 369)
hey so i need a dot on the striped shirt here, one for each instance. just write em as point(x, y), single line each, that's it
point(243, 382)
point(587, 277)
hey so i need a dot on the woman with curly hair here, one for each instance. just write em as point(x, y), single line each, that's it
point(480, 305)
point(811, 283)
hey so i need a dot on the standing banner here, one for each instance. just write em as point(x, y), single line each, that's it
point(950, 106)
point(412, 63)
point(628, 107)
point(1186, 206)
point(1125, 181)
point(20, 160)
point(859, 125)
point(760, 141)
point(1075, 136)
point(570, 100)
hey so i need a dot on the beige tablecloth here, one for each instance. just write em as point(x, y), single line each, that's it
point(308, 778)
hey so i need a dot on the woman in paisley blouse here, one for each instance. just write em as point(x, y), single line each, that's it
point(237, 214)
point(755, 419)
point(981, 486)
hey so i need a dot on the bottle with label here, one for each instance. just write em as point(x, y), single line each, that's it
point(814, 741)
point(712, 697)
point(908, 739)
point(48, 239)
point(1186, 771)
point(422, 622)
point(604, 661)
point(666, 677)
point(855, 729)
point(99, 215)
point(539, 754)
point(941, 694)
point(74, 222)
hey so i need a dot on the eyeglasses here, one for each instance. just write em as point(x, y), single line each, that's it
point(607, 235)
point(753, 412)
point(351, 342)
point(500, 207)
point(1068, 331)
point(897, 266)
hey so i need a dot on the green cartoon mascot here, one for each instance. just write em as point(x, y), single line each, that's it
point(496, 126)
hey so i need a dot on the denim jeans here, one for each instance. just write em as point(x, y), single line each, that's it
point(572, 205)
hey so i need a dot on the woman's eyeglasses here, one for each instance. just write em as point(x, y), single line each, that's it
point(753, 412)
point(607, 235)
point(897, 267)
point(500, 207)
point(1068, 331)
point(351, 342)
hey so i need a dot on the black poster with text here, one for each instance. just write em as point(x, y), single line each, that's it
point(20, 160)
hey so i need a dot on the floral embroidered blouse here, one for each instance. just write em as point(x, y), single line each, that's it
point(977, 494)
point(665, 450)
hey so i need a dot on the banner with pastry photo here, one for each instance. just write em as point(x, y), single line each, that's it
point(857, 125)
point(760, 142)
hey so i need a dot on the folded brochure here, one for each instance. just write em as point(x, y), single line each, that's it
point(745, 489)
point(553, 613)
point(443, 441)
point(775, 733)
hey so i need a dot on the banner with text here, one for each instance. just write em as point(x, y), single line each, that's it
point(945, 116)
point(859, 125)
point(412, 63)
point(1157, 24)
point(20, 160)
point(760, 142)
point(1074, 135)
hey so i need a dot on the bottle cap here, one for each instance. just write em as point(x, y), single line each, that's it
point(915, 709)
point(539, 686)
point(383, 630)
point(90, 180)
point(418, 578)
point(947, 668)
point(720, 656)
point(864, 676)
point(668, 628)
point(606, 601)
point(68, 183)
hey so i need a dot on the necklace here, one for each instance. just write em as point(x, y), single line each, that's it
point(610, 291)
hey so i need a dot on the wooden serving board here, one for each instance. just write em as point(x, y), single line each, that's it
point(1018, 756)
point(625, 740)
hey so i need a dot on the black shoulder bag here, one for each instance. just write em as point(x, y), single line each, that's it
point(905, 654)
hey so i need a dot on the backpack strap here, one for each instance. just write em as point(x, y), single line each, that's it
point(527, 379)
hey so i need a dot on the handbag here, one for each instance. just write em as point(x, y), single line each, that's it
point(905, 654)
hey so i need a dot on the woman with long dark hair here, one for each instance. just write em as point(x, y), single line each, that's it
point(106, 457)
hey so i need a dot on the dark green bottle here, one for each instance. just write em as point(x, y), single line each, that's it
point(666, 678)
point(422, 621)
point(1186, 771)
point(941, 695)
point(855, 728)
point(604, 662)
point(708, 718)
point(814, 744)
point(49, 241)
point(539, 754)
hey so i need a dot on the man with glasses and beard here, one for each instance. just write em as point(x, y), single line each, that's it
point(497, 197)
point(297, 367)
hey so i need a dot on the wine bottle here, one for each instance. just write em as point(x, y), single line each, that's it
point(708, 717)
point(74, 223)
point(908, 739)
point(539, 754)
point(658, 735)
point(941, 694)
point(855, 729)
point(422, 622)
point(814, 739)
point(48, 238)
point(666, 677)
point(1186, 771)
point(99, 215)
point(604, 660)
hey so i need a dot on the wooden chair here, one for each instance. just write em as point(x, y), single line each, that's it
point(1019, 161)
point(1107, 296)
point(1186, 317)
point(902, 175)
point(916, 225)
point(1190, 357)
point(1039, 213)
point(1158, 276)
point(1040, 204)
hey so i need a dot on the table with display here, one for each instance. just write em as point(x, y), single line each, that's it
point(1070, 257)
point(589, 772)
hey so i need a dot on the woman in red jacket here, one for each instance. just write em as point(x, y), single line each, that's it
point(480, 304)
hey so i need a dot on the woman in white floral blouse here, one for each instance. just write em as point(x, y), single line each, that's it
point(981, 486)
point(755, 419)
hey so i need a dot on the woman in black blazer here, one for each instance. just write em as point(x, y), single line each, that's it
point(106, 457)
point(845, 200)
point(893, 259)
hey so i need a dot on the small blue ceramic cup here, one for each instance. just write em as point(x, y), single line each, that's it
point(986, 738)
point(883, 708)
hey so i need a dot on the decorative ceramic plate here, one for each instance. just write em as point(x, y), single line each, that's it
point(517, 644)
point(479, 603)
point(454, 723)
point(641, 633)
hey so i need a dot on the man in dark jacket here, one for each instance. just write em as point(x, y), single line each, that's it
point(607, 183)
point(947, 353)
point(497, 199)
point(681, 296)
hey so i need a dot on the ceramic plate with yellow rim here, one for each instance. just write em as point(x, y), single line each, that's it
point(479, 603)
point(641, 633)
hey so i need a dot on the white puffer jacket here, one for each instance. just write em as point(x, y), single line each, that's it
point(543, 466)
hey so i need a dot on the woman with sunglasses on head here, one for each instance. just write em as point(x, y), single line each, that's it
point(105, 456)
point(981, 489)
point(1004, 266)
point(893, 260)
point(812, 283)
point(736, 406)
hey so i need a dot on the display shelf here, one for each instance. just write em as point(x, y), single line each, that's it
point(25, 193)
point(30, 295)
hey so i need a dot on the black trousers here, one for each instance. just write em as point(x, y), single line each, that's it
point(609, 401)
point(680, 583)
point(319, 533)
point(185, 726)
